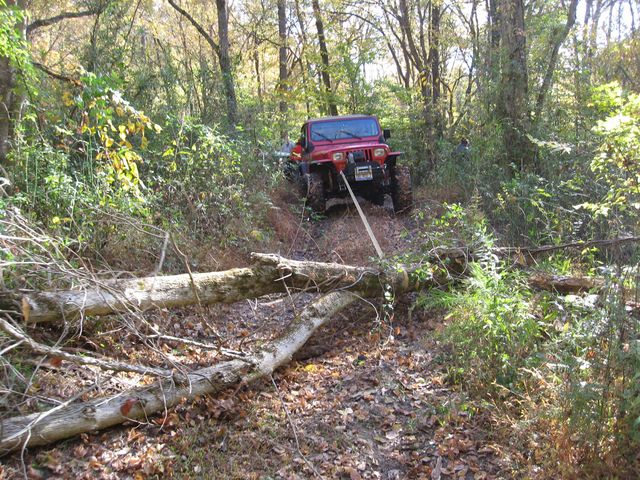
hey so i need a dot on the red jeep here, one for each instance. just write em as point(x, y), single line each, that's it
point(356, 146)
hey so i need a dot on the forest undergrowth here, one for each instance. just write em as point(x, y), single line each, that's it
point(488, 379)
point(140, 139)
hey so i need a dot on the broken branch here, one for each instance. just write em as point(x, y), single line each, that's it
point(69, 420)
point(116, 366)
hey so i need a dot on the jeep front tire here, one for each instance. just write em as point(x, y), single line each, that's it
point(401, 192)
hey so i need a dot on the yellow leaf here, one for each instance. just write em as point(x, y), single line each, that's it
point(67, 99)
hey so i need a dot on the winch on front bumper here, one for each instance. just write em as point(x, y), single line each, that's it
point(363, 174)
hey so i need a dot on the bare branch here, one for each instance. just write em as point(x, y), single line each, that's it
point(45, 22)
point(212, 43)
point(19, 335)
point(57, 76)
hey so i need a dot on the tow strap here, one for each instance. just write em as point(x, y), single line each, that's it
point(376, 245)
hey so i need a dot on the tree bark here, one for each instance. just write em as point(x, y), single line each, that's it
point(283, 73)
point(324, 55)
point(7, 84)
point(514, 97)
point(434, 61)
point(564, 284)
point(225, 61)
point(557, 39)
point(70, 419)
point(271, 274)
point(10, 100)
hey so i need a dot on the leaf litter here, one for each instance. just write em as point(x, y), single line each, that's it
point(371, 405)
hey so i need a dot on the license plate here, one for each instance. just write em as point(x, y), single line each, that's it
point(364, 173)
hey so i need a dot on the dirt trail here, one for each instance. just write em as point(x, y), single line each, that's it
point(366, 399)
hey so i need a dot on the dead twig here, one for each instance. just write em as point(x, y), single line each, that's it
point(19, 335)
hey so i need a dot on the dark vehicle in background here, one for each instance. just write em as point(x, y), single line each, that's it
point(356, 146)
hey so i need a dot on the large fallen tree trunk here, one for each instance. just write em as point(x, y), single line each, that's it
point(270, 274)
point(526, 256)
point(68, 420)
point(71, 419)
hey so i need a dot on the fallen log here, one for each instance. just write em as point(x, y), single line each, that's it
point(270, 274)
point(565, 284)
point(526, 256)
point(71, 419)
point(68, 420)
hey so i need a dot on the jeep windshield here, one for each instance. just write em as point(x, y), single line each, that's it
point(343, 129)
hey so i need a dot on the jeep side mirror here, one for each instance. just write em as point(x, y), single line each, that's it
point(386, 133)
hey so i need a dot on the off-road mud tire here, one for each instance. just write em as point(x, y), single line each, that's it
point(401, 192)
point(290, 171)
point(314, 191)
point(377, 197)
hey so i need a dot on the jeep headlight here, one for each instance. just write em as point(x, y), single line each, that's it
point(378, 152)
point(338, 156)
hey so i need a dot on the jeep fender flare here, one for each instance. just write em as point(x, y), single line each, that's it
point(392, 159)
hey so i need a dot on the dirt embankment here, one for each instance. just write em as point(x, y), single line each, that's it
point(339, 234)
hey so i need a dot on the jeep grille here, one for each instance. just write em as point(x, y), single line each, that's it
point(365, 154)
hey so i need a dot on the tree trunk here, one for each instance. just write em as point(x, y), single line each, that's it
point(434, 61)
point(7, 84)
point(271, 274)
point(420, 61)
point(221, 49)
point(562, 284)
point(68, 420)
point(305, 65)
point(324, 55)
point(557, 39)
point(494, 39)
point(513, 107)
point(283, 77)
point(10, 100)
point(224, 58)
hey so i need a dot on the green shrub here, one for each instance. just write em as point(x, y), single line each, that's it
point(598, 354)
point(491, 332)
